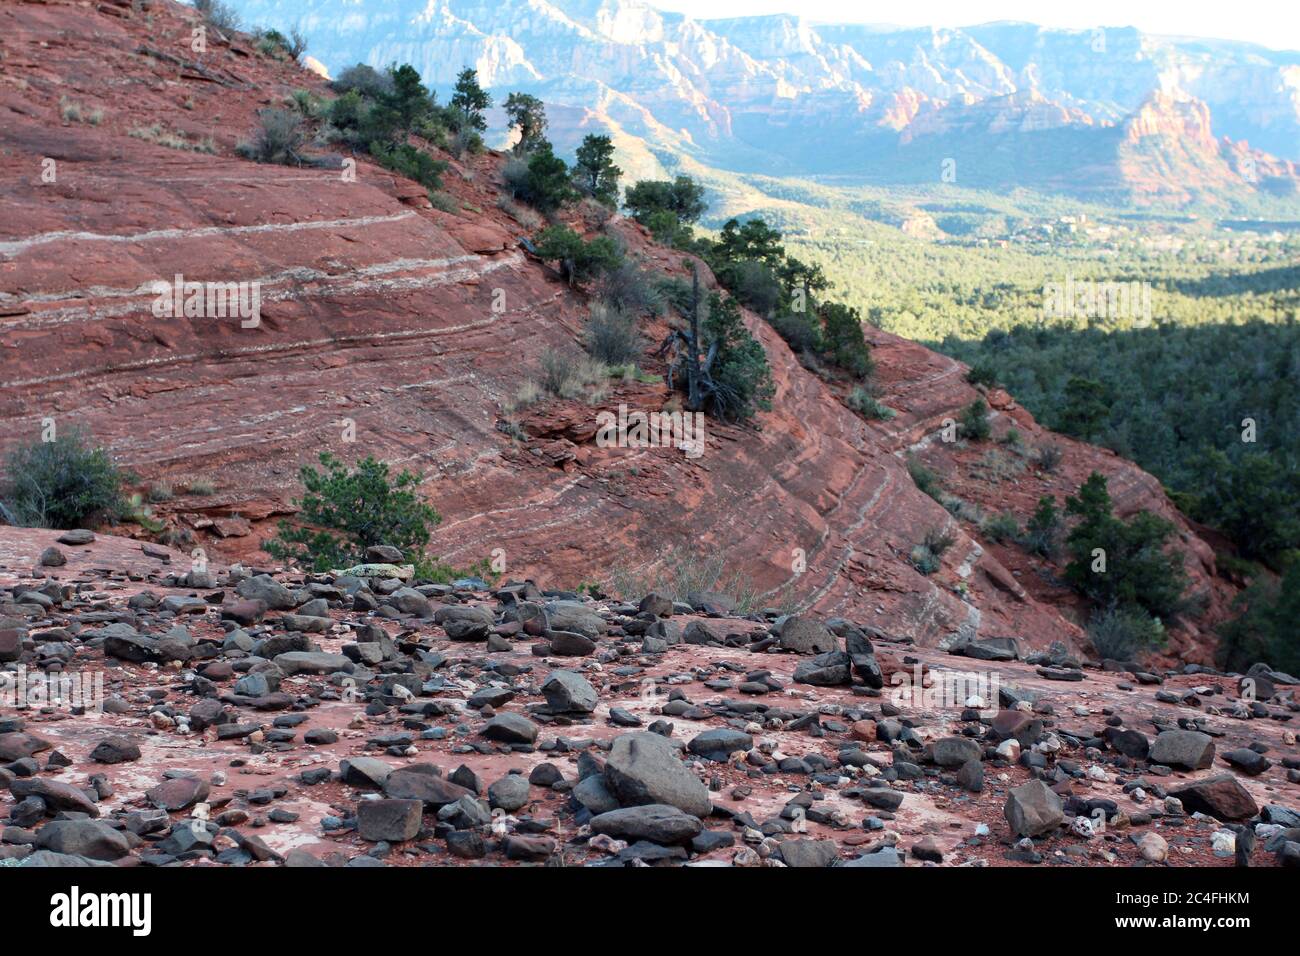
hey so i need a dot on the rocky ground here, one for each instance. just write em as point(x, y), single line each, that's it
point(359, 719)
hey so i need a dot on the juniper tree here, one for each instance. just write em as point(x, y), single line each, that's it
point(529, 114)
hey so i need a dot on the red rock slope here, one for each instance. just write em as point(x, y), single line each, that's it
point(378, 309)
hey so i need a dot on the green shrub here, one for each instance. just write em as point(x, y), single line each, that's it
point(938, 541)
point(201, 487)
point(364, 80)
point(308, 104)
point(801, 331)
point(172, 139)
point(982, 373)
point(1049, 457)
point(755, 284)
point(514, 173)
point(1264, 629)
point(677, 203)
point(629, 288)
point(924, 478)
point(974, 421)
point(927, 556)
point(612, 335)
point(741, 377)
point(275, 44)
point(68, 483)
point(924, 561)
point(1124, 633)
point(866, 405)
point(410, 162)
point(218, 14)
point(430, 571)
point(409, 97)
point(160, 491)
point(346, 113)
point(580, 261)
point(277, 139)
point(545, 185)
point(1003, 528)
point(442, 201)
point(1042, 528)
point(345, 511)
point(465, 141)
point(567, 374)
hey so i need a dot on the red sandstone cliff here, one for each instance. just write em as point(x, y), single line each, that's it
point(378, 309)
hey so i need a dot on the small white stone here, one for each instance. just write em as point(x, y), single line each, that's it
point(1223, 841)
point(1153, 847)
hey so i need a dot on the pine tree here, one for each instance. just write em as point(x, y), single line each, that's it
point(470, 100)
point(594, 170)
point(1121, 564)
point(1042, 527)
point(409, 98)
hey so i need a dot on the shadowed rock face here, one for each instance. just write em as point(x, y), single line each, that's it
point(377, 316)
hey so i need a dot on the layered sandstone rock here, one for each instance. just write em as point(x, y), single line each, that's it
point(404, 332)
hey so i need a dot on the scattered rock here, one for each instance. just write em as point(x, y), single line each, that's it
point(643, 768)
point(1221, 797)
point(1188, 749)
point(392, 820)
point(1032, 809)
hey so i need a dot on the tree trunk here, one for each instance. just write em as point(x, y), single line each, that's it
point(693, 351)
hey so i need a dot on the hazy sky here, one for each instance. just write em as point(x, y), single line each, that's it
point(1272, 23)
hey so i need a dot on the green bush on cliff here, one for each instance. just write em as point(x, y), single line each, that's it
point(65, 483)
point(347, 510)
point(579, 260)
point(1118, 563)
point(410, 162)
